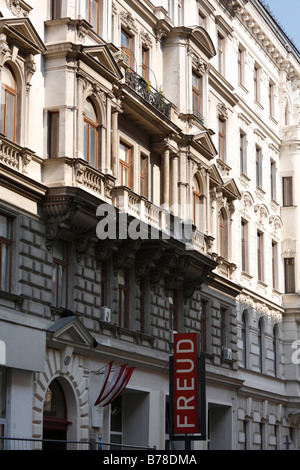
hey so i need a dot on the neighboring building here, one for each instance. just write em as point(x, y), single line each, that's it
point(149, 185)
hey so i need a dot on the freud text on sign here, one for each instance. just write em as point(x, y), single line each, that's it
point(185, 384)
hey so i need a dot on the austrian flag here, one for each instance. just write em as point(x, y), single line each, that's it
point(111, 390)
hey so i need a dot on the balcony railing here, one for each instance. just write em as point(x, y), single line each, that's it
point(144, 89)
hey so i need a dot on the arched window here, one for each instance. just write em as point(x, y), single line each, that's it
point(275, 350)
point(244, 341)
point(8, 104)
point(90, 134)
point(260, 344)
point(196, 202)
point(223, 234)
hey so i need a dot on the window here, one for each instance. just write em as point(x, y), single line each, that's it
point(244, 341)
point(104, 285)
point(92, 13)
point(241, 66)
point(221, 54)
point(258, 163)
point(287, 191)
point(223, 234)
point(244, 245)
point(5, 252)
point(53, 134)
point(8, 110)
point(222, 139)
point(60, 273)
point(243, 153)
point(90, 134)
point(55, 11)
point(275, 350)
point(173, 302)
point(126, 47)
point(273, 180)
point(123, 282)
point(143, 176)
point(260, 256)
point(145, 63)
point(274, 265)
point(197, 94)
point(124, 162)
point(260, 334)
point(196, 202)
point(256, 83)
point(142, 304)
point(180, 4)
point(223, 327)
point(271, 99)
point(289, 275)
point(203, 319)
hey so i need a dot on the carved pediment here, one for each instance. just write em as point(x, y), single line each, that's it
point(203, 40)
point(205, 141)
point(21, 33)
point(102, 57)
point(231, 190)
point(70, 330)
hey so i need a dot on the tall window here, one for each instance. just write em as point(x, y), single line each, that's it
point(223, 234)
point(173, 302)
point(287, 191)
point(53, 134)
point(221, 54)
point(289, 275)
point(126, 47)
point(274, 265)
point(196, 203)
point(271, 99)
point(60, 273)
point(124, 164)
point(260, 344)
point(260, 256)
point(55, 11)
point(90, 134)
point(197, 94)
point(145, 63)
point(143, 176)
point(222, 139)
point(8, 111)
point(244, 245)
point(5, 252)
point(258, 163)
point(256, 83)
point(275, 350)
point(241, 66)
point(92, 13)
point(203, 321)
point(273, 180)
point(244, 341)
point(123, 282)
point(223, 327)
point(243, 153)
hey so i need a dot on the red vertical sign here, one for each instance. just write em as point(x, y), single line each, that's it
point(185, 383)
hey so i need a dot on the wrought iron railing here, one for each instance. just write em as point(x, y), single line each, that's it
point(144, 89)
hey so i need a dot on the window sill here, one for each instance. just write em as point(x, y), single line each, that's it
point(11, 300)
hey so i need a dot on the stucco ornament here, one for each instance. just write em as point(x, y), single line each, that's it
point(17, 7)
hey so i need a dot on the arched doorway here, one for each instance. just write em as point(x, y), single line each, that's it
point(55, 422)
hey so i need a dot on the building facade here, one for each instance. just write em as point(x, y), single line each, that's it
point(148, 186)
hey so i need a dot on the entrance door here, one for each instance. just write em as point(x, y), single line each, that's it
point(55, 424)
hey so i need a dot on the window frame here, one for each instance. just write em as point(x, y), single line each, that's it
point(7, 90)
point(197, 202)
point(287, 191)
point(260, 261)
point(8, 243)
point(221, 53)
point(53, 126)
point(243, 153)
point(222, 139)
point(289, 283)
point(258, 165)
point(127, 51)
point(124, 290)
point(274, 264)
point(244, 246)
point(89, 12)
point(197, 93)
point(64, 265)
point(125, 165)
point(87, 125)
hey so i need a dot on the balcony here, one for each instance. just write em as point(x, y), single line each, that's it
point(143, 88)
